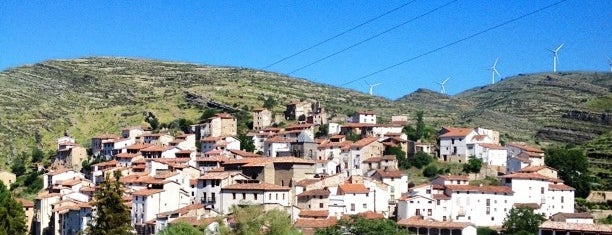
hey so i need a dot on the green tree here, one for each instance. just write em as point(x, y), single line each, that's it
point(473, 165)
point(322, 132)
point(208, 113)
point(352, 136)
point(430, 171)
point(180, 229)
point(410, 132)
point(486, 231)
point(270, 102)
point(251, 219)
point(112, 216)
point(522, 220)
point(400, 155)
point(19, 164)
point(12, 217)
point(420, 126)
point(573, 166)
point(246, 143)
point(356, 225)
point(37, 155)
point(420, 159)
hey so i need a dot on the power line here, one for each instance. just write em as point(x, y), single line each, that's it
point(456, 42)
point(372, 37)
point(340, 34)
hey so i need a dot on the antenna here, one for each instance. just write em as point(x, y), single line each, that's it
point(494, 71)
point(442, 90)
point(556, 57)
point(372, 86)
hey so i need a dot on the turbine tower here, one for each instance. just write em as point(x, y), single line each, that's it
point(494, 71)
point(555, 57)
point(372, 86)
point(442, 90)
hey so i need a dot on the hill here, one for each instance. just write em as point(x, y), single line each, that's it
point(90, 96)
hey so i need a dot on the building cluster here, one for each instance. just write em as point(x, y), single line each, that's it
point(198, 176)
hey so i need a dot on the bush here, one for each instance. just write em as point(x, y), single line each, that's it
point(473, 165)
point(430, 171)
point(419, 160)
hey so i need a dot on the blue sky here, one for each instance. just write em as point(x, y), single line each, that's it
point(255, 34)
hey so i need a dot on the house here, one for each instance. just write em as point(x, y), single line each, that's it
point(57, 176)
point(582, 218)
point(184, 142)
point(354, 198)
point(7, 178)
point(276, 146)
point(220, 125)
point(313, 203)
point(147, 203)
point(97, 141)
point(271, 196)
point(283, 171)
point(417, 146)
point(161, 139)
point(28, 209)
point(73, 216)
point(554, 227)
point(417, 225)
point(262, 118)
point(396, 179)
point(363, 116)
point(65, 142)
point(132, 133)
point(208, 188)
point(43, 211)
point(457, 144)
point(71, 157)
point(195, 214)
point(491, 154)
point(219, 143)
point(308, 226)
point(298, 110)
point(549, 195)
point(361, 151)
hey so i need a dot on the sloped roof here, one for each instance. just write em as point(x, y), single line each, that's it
point(256, 186)
point(482, 189)
point(352, 188)
point(455, 132)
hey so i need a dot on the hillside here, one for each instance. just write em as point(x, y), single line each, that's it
point(89, 96)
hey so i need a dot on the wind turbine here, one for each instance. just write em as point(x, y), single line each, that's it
point(443, 91)
point(494, 71)
point(372, 86)
point(610, 63)
point(555, 57)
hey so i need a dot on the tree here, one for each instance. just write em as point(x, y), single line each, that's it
point(473, 165)
point(400, 155)
point(269, 102)
point(180, 229)
point(322, 132)
point(361, 226)
point(37, 155)
point(420, 159)
point(251, 219)
point(573, 166)
point(352, 136)
point(430, 171)
point(208, 113)
point(522, 220)
point(246, 143)
point(12, 216)
point(19, 167)
point(420, 126)
point(112, 216)
point(486, 231)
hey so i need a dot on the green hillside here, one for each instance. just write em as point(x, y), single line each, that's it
point(89, 96)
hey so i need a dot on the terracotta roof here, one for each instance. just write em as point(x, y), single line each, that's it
point(315, 223)
point(371, 215)
point(59, 171)
point(138, 146)
point(535, 168)
point(364, 142)
point(561, 217)
point(455, 132)
point(372, 159)
point(256, 186)
point(244, 153)
point(479, 137)
point(211, 139)
point(530, 155)
point(218, 175)
point(26, 203)
point(154, 148)
point(390, 173)
point(548, 225)
point(366, 112)
point(212, 159)
point(481, 189)
point(420, 223)
point(352, 188)
point(306, 182)
point(315, 192)
point(525, 147)
point(147, 192)
point(109, 163)
point(492, 146)
point(523, 159)
point(127, 155)
point(441, 197)
point(223, 116)
point(521, 175)
point(45, 194)
point(107, 136)
point(314, 213)
point(454, 177)
point(182, 210)
point(560, 187)
point(277, 139)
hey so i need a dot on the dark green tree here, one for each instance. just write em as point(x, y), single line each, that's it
point(356, 225)
point(208, 113)
point(12, 216)
point(420, 159)
point(251, 220)
point(420, 126)
point(430, 171)
point(270, 102)
point(410, 132)
point(573, 166)
point(18, 167)
point(37, 155)
point(352, 136)
point(180, 229)
point(400, 155)
point(112, 217)
point(486, 231)
point(246, 143)
point(473, 165)
point(522, 220)
point(322, 132)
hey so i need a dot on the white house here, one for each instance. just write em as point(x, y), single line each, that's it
point(396, 179)
point(208, 187)
point(271, 196)
point(274, 145)
point(364, 116)
point(491, 154)
point(457, 144)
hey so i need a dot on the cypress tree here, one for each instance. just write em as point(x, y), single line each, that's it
point(112, 217)
point(12, 216)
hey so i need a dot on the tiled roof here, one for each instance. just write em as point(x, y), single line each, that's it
point(147, 192)
point(315, 223)
point(454, 177)
point(521, 175)
point(315, 192)
point(563, 216)
point(390, 173)
point(277, 139)
point(244, 153)
point(560, 187)
point(372, 159)
point(456, 132)
point(601, 228)
point(352, 188)
point(109, 163)
point(364, 142)
point(154, 148)
point(314, 213)
point(525, 147)
point(533, 206)
point(306, 182)
point(481, 189)
point(492, 146)
point(371, 215)
point(26, 203)
point(531, 155)
point(45, 194)
point(366, 112)
point(127, 155)
point(211, 139)
point(182, 210)
point(138, 146)
point(420, 223)
point(107, 136)
point(218, 175)
point(256, 186)
point(479, 137)
point(441, 197)
point(535, 168)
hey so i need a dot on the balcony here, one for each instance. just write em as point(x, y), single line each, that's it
point(208, 201)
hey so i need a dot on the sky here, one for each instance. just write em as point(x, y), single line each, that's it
point(435, 39)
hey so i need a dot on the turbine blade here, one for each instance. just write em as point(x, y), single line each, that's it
point(497, 72)
point(559, 48)
point(494, 64)
point(609, 60)
point(445, 80)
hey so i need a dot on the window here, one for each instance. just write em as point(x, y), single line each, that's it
point(438, 202)
point(542, 190)
point(283, 196)
point(255, 196)
point(204, 183)
point(234, 196)
point(243, 196)
point(561, 199)
point(212, 196)
point(352, 206)
point(365, 206)
point(320, 205)
point(270, 196)
point(429, 212)
point(276, 196)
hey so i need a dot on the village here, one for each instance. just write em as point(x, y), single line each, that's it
point(200, 175)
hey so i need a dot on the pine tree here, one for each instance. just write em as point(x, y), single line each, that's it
point(112, 217)
point(12, 217)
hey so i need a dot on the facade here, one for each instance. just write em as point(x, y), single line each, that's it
point(458, 144)
point(271, 196)
point(7, 178)
point(221, 125)
point(364, 116)
point(262, 118)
